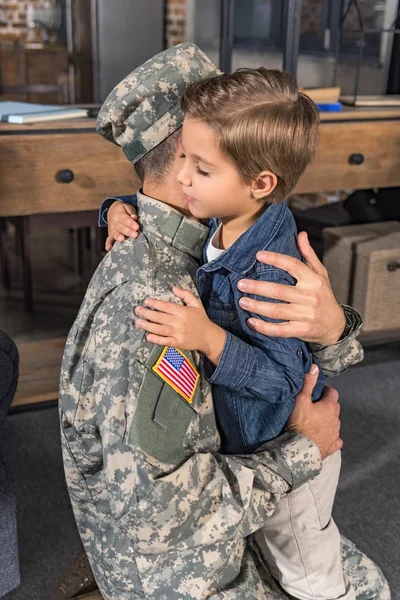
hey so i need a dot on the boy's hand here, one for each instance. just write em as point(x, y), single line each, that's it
point(186, 327)
point(122, 223)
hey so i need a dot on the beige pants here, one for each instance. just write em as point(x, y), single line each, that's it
point(300, 543)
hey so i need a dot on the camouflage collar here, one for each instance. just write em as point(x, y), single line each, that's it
point(172, 226)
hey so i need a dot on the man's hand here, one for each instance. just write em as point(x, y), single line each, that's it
point(318, 421)
point(122, 223)
point(186, 327)
point(312, 314)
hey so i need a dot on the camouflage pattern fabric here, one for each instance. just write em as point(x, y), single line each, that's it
point(336, 358)
point(145, 107)
point(161, 514)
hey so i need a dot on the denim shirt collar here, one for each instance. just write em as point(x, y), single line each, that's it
point(241, 256)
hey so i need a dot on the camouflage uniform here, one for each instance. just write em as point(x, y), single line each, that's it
point(161, 513)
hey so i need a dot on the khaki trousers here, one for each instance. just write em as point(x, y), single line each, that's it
point(300, 543)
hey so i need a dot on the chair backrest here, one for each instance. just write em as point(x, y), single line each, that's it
point(19, 87)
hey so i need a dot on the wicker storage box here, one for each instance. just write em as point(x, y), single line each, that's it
point(340, 253)
point(376, 288)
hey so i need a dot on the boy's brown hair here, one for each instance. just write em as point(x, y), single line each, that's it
point(262, 122)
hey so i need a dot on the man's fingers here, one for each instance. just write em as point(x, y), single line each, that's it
point(288, 329)
point(330, 394)
point(309, 255)
point(280, 312)
point(310, 379)
point(292, 265)
point(274, 291)
point(337, 445)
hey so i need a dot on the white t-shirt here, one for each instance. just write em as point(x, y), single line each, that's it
point(213, 249)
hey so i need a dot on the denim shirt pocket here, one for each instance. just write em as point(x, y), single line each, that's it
point(223, 314)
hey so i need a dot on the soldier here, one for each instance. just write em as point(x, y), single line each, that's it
point(161, 513)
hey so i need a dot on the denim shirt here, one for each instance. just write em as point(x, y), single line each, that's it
point(257, 378)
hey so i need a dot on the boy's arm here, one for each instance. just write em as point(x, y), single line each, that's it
point(271, 369)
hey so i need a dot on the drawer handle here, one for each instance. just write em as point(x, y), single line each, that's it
point(393, 266)
point(356, 159)
point(66, 176)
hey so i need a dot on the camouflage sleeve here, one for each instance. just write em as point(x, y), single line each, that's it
point(336, 358)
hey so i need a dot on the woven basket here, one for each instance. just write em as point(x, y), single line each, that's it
point(376, 292)
point(340, 245)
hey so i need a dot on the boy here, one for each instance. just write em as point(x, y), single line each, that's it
point(246, 140)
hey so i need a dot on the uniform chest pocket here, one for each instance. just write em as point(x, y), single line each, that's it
point(224, 315)
point(162, 417)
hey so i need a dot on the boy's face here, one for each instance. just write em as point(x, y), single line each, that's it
point(211, 183)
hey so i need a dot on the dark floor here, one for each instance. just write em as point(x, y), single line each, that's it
point(367, 506)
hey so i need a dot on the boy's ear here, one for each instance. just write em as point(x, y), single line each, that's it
point(263, 185)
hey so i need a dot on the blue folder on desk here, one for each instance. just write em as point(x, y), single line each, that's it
point(26, 112)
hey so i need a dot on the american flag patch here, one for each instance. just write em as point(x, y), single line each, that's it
point(175, 369)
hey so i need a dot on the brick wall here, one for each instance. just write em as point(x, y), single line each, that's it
point(13, 18)
point(175, 22)
point(311, 12)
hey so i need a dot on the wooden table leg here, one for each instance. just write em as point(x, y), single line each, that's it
point(26, 263)
point(4, 257)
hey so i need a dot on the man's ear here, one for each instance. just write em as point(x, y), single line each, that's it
point(263, 185)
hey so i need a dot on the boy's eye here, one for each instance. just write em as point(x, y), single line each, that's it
point(182, 155)
point(201, 172)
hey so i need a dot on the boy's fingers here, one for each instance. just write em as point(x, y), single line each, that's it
point(116, 235)
point(129, 222)
point(109, 243)
point(187, 296)
point(123, 229)
point(154, 316)
point(161, 305)
point(130, 210)
point(163, 330)
point(160, 341)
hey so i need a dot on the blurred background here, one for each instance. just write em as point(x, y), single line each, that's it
point(89, 45)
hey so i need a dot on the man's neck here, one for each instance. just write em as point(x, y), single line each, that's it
point(169, 192)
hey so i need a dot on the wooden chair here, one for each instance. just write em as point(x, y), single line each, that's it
point(22, 89)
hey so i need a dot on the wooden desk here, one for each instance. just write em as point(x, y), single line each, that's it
point(32, 156)
point(374, 133)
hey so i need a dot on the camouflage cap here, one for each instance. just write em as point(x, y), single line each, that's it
point(145, 107)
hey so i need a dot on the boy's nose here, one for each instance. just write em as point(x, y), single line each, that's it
point(184, 177)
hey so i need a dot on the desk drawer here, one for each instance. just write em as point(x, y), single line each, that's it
point(30, 167)
point(377, 141)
